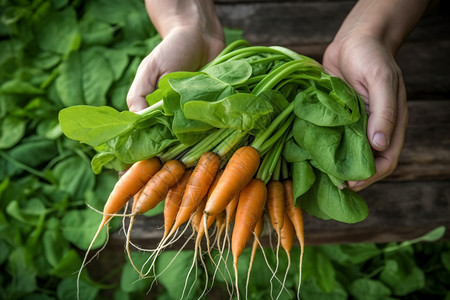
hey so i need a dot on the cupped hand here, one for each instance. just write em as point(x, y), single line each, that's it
point(185, 48)
point(368, 65)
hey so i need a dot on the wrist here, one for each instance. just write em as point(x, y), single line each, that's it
point(389, 22)
point(200, 15)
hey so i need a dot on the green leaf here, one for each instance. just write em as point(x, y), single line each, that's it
point(303, 177)
point(310, 290)
point(27, 212)
point(402, 275)
point(19, 87)
point(231, 72)
point(5, 251)
point(343, 151)
point(74, 176)
point(318, 267)
point(144, 143)
point(293, 153)
point(445, 258)
point(369, 289)
point(130, 280)
point(59, 32)
point(324, 199)
point(12, 130)
point(55, 246)
point(22, 270)
point(79, 227)
point(240, 111)
point(85, 78)
point(206, 88)
point(178, 264)
point(95, 125)
point(67, 290)
point(351, 254)
point(67, 265)
point(319, 108)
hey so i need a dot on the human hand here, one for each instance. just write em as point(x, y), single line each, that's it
point(185, 48)
point(368, 65)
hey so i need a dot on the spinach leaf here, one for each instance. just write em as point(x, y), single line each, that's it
point(85, 78)
point(95, 125)
point(12, 130)
point(79, 226)
point(402, 275)
point(319, 108)
point(74, 176)
point(144, 143)
point(342, 151)
point(293, 153)
point(240, 111)
point(58, 32)
point(303, 177)
point(370, 289)
point(206, 88)
point(325, 199)
point(230, 72)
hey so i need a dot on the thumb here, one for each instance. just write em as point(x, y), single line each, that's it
point(382, 113)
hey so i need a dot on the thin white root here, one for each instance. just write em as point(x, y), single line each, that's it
point(285, 276)
point(127, 247)
point(85, 261)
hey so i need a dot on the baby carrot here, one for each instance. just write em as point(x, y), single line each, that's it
point(238, 172)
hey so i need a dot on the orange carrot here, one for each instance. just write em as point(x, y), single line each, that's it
point(252, 200)
point(173, 200)
point(287, 235)
point(126, 187)
point(154, 191)
point(197, 216)
point(129, 184)
point(158, 186)
point(231, 210)
point(287, 240)
point(197, 187)
point(296, 217)
point(238, 172)
point(295, 213)
point(256, 234)
point(220, 227)
point(275, 204)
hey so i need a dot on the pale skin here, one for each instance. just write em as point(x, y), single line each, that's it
point(362, 53)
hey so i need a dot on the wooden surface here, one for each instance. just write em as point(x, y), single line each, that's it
point(416, 197)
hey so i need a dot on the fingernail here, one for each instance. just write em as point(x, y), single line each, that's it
point(380, 140)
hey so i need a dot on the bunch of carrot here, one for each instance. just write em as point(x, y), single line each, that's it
point(234, 197)
point(231, 177)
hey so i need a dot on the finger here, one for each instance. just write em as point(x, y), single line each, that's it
point(386, 161)
point(383, 107)
point(142, 85)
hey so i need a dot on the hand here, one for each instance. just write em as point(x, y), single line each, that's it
point(368, 65)
point(184, 48)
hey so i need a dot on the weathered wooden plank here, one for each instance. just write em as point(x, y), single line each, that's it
point(426, 152)
point(398, 211)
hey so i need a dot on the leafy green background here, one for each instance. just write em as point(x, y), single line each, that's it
point(60, 53)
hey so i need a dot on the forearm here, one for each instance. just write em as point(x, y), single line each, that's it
point(390, 21)
point(167, 15)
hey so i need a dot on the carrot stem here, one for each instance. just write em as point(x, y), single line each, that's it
point(260, 139)
point(205, 145)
